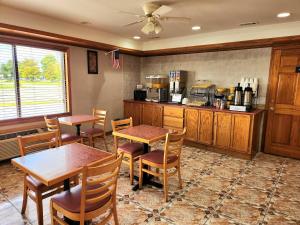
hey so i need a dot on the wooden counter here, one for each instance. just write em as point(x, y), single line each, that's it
point(231, 132)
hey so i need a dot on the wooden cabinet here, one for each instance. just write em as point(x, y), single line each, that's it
point(231, 132)
point(240, 133)
point(173, 117)
point(191, 124)
point(222, 129)
point(152, 114)
point(133, 110)
point(205, 125)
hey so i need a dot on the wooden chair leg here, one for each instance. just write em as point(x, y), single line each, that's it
point(131, 170)
point(179, 176)
point(114, 211)
point(141, 174)
point(166, 185)
point(90, 141)
point(25, 197)
point(39, 208)
point(105, 144)
point(53, 214)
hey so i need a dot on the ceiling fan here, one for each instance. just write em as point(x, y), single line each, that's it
point(153, 15)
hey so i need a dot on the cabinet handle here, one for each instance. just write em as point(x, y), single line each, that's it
point(272, 108)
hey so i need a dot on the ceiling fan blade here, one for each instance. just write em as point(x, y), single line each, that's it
point(133, 23)
point(150, 7)
point(132, 14)
point(174, 19)
point(162, 10)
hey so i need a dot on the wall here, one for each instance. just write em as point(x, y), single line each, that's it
point(224, 68)
point(106, 90)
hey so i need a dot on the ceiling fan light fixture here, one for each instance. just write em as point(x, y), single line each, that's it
point(158, 28)
point(148, 28)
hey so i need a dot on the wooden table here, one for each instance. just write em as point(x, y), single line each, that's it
point(59, 164)
point(77, 120)
point(147, 135)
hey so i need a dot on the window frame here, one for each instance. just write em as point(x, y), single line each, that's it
point(42, 45)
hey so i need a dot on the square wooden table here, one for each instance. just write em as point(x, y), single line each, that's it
point(77, 120)
point(147, 135)
point(59, 164)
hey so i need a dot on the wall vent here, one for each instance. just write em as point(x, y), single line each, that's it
point(248, 24)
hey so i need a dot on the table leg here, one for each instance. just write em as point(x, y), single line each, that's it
point(147, 177)
point(78, 129)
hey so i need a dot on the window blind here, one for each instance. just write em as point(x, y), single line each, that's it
point(38, 86)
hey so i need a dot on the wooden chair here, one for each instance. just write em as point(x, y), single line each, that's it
point(63, 138)
point(93, 198)
point(131, 150)
point(164, 160)
point(96, 132)
point(33, 188)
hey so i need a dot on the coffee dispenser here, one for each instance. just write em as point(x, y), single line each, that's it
point(177, 85)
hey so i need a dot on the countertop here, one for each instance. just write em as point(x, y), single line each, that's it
point(211, 108)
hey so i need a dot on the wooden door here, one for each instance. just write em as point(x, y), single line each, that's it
point(205, 128)
point(240, 133)
point(222, 129)
point(157, 116)
point(147, 114)
point(191, 124)
point(283, 126)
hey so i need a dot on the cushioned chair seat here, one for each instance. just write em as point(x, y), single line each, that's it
point(36, 183)
point(134, 149)
point(70, 200)
point(69, 137)
point(157, 156)
point(92, 131)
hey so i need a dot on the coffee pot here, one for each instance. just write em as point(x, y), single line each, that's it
point(248, 94)
point(238, 95)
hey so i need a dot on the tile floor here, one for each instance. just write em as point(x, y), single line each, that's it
point(218, 189)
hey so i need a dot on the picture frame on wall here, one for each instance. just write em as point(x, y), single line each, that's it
point(92, 62)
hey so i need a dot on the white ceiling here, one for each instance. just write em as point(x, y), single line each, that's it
point(211, 15)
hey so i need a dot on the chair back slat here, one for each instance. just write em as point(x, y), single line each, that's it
point(99, 181)
point(36, 142)
point(121, 124)
point(173, 145)
point(101, 115)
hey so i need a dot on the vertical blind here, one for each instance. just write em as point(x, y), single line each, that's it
point(32, 82)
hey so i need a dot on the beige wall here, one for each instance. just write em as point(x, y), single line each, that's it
point(105, 90)
point(224, 68)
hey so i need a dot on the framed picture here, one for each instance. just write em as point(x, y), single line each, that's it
point(92, 59)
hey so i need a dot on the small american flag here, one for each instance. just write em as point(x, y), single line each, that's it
point(115, 59)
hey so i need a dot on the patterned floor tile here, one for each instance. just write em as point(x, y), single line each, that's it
point(217, 189)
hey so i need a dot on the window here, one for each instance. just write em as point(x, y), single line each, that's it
point(32, 82)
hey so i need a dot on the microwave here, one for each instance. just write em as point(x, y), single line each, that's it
point(140, 95)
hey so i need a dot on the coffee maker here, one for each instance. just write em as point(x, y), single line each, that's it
point(157, 88)
point(177, 85)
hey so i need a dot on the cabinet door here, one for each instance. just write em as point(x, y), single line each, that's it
point(147, 114)
point(205, 133)
point(128, 109)
point(157, 116)
point(136, 113)
point(240, 133)
point(191, 124)
point(222, 129)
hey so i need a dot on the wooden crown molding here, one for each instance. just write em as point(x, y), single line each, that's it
point(17, 31)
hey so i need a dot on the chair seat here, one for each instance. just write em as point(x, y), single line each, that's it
point(157, 156)
point(70, 200)
point(134, 149)
point(92, 131)
point(69, 137)
point(36, 183)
